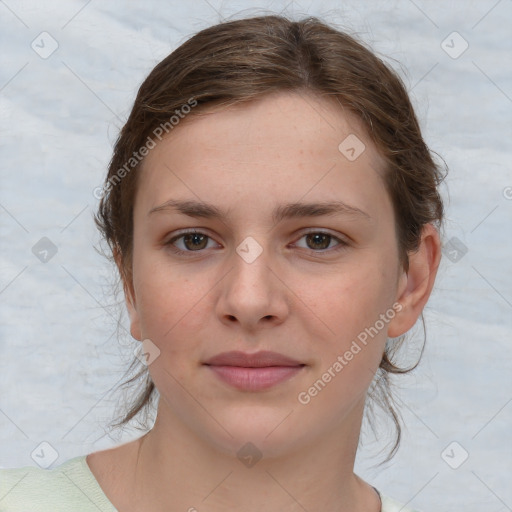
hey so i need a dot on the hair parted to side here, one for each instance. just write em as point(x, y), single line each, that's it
point(241, 60)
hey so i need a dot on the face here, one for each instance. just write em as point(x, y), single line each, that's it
point(308, 284)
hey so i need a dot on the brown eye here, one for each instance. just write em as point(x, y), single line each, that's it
point(318, 240)
point(195, 241)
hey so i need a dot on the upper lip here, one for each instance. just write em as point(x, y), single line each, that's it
point(256, 360)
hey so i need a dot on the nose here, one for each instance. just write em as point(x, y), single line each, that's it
point(252, 294)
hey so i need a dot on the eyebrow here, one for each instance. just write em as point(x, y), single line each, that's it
point(198, 209)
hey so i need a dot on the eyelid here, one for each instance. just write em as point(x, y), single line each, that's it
point(338, 236)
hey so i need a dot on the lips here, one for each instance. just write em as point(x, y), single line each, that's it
point(257, 360)
point(253, 372)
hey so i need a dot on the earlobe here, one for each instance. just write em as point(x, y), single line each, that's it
point(416, 284)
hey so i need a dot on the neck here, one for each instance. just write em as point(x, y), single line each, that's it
point(172, 468)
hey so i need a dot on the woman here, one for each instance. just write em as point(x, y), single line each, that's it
point(273, 213)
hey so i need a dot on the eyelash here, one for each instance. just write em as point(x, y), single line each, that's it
point(342, 244)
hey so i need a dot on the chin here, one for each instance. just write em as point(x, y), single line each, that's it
point(262, 434)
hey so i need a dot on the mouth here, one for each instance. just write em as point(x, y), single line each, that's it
point(253, 372)
point(257, 360)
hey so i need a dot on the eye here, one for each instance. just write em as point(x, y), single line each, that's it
point(319, 241)
point(196, 241)
point(192, 241)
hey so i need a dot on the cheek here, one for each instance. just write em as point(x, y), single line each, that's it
point(170, 305)
point(350, 299)
point(351, 306)
point(351, 351)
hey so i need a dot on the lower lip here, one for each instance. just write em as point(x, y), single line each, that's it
point(255, 379)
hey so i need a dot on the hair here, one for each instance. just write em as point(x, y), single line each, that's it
point(246, 59)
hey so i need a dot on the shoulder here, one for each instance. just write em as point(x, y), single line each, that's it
point(391, 505)
point(68, 486)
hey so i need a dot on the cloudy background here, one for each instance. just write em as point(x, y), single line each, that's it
point(68, 75)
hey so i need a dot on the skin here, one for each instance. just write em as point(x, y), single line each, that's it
point(298, 297)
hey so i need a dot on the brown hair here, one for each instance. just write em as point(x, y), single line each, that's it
point(241, 60)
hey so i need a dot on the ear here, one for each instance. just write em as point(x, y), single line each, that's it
point(129, 296)
point(415, 285)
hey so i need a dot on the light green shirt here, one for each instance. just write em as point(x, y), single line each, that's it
point(72, 487)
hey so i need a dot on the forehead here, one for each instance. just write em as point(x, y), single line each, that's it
point(280, 147)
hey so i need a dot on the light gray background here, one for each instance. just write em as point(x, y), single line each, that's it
point(60, 116)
